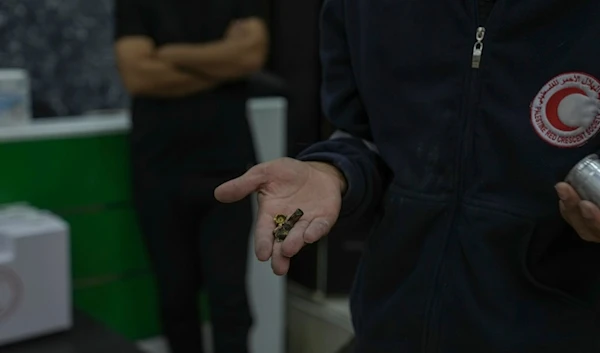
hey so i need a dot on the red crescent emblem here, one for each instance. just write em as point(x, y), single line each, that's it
point(569, 92)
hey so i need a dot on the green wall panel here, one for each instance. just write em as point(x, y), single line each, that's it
point(127, 306)
point(105, 243)
point(86, 182)
point(65, 173)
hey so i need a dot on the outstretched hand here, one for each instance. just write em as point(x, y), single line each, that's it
point(283, 186)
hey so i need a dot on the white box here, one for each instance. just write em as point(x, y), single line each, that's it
point(35, 284)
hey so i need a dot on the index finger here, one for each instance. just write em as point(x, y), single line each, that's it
point(263, 236)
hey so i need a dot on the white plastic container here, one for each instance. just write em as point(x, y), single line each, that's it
point(35, 277)
point(15, 97)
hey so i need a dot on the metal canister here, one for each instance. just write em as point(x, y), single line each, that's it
point(585, 179)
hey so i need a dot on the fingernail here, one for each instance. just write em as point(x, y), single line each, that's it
point(561, 193)
point(586, 212)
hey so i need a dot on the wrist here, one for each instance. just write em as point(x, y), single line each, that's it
point(332, 171)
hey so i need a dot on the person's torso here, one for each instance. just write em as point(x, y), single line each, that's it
point(207, 131)
point(471, 254)
point(193, 21)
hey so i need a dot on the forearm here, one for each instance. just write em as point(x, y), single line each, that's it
point(219, 60)
point(158, 79)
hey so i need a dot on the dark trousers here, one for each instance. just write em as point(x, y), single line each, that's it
point(195, 242)
point(348, 347)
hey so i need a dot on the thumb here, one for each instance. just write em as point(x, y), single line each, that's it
point(238, 188)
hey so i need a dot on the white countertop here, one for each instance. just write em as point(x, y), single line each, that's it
point(77, 126)
point(96, 125)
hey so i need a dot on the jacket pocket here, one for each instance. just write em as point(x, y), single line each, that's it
point(543, 258)
point(561, 264)
point(398, 266)
point(493, 286)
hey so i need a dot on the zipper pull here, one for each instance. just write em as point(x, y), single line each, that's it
point(478, 48)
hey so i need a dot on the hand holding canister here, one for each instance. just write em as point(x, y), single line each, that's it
point(585, 179)
point(580, 197)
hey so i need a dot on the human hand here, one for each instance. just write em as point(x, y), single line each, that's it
point(582, 215)
point(283, 186)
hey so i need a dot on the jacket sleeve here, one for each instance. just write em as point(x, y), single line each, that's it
point(350, 149)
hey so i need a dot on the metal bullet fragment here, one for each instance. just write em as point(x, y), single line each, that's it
point(282, 230)
point(279, 219)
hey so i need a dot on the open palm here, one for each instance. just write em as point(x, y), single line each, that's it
point(283, 186)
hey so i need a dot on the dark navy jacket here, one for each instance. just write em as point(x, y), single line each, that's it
point(469, 253)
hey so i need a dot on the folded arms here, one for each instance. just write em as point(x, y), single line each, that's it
point(180, 69)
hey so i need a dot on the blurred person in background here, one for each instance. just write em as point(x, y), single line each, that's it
point(459, 121)
point(185, 64)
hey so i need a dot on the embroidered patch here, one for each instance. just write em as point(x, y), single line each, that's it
point(566, 111)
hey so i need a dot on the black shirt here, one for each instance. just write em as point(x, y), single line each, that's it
point(205, 132)
point(484, 9)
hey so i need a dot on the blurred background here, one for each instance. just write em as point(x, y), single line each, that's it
point(74, 275)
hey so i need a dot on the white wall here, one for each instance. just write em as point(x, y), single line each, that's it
point(268, 120)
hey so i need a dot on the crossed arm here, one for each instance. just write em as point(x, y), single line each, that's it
point(242, 52)
point(177, 70)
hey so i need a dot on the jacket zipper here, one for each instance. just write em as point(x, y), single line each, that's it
point(431, 342)
point(478, 48)
point(471, 103)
